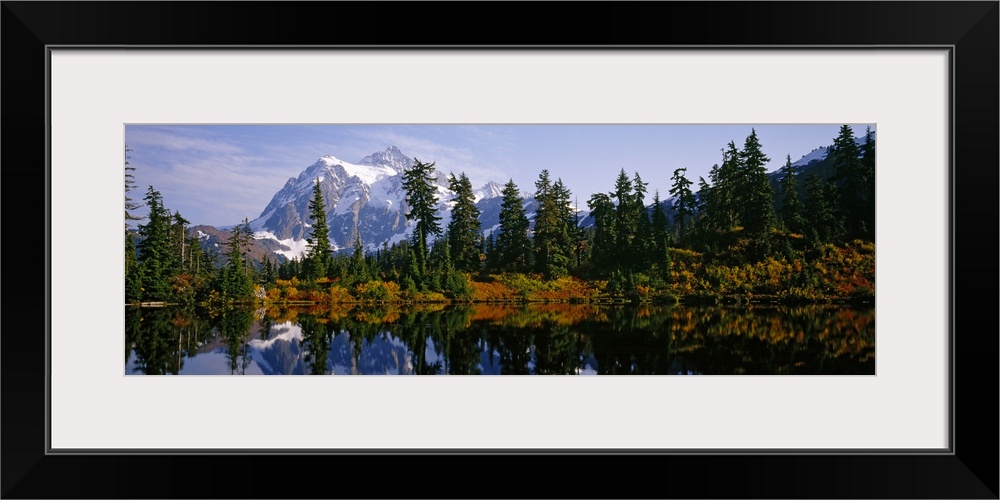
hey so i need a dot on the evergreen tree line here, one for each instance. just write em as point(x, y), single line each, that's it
point(626, 237)
point(736, 207)
point(167, 265)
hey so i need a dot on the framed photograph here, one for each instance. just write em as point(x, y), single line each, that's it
point(899, 420)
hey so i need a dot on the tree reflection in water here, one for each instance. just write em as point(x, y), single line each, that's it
point(545, 339)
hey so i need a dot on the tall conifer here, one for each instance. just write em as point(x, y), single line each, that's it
point(850, 179)
point(754, 190)
point(791, 207)
point(684, 203)
point(464, 229)
point(418, 182)
point(318, 255)
point(155, 256)
point(513, 244)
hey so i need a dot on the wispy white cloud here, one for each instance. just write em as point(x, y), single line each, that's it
point(178, 140)
point(210, 178)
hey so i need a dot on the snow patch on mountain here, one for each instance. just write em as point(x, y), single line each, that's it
point(366, 173)
point(814, 155)
point(295, 248)
point(387, 192)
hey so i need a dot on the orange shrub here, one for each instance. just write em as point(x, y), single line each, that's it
point(493, 292)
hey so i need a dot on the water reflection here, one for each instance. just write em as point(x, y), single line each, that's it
point(553, 339)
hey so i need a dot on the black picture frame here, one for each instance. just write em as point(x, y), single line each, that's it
point(970, 28)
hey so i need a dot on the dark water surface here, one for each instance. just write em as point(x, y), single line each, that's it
point(482, 339)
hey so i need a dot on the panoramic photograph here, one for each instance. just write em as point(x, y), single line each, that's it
point(535, 249)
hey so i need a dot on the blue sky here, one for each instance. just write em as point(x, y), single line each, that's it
point(219, 174)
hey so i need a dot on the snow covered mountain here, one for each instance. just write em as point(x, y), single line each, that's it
point(364, 199)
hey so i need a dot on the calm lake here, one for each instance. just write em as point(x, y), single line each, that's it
point(484, 339)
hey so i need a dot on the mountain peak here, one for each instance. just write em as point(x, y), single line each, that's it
point(489, 190)
point(392, 157)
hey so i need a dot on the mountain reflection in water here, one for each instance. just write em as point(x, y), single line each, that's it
point(486, 339)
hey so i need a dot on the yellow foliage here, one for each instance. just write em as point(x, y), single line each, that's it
point(340, 295)
point(378, 291)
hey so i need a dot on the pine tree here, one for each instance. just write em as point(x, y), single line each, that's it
point(513, 243)
point(551, 256)
point(642, 242)
point(707, 216)
point(178, 239)
point(543, 221)
point(270, 273)
point(791, 207)
point(868, 164)
point(133, 276)
point(318, 255)
point(155, 258)
point(492, 263)
point(359, 267)
point(209, 261)
point(567, 233)
point(757, 205)
point(418, 182)
point(579, 235)
point(661, 235)
point(822, 223)
point(726, 200)
point(850, 179)
point(603, 254)
point(195, 257)
point(237, 282)
point(717, 197)
point(438, 261)
point(130, 204)
point(685, 202)
point(625, 221)
point(464, 230)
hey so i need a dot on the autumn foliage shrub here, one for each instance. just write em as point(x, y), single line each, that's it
point(825, 273)
point(845, 271)
point(428, 297)
point(340, 295)
point(377, 291)
point(532, 288)
point(494, 291)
